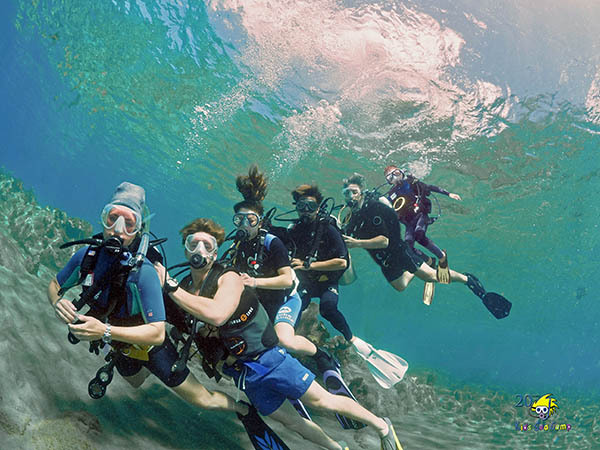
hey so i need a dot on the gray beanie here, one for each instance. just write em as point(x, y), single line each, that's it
point(130, 195)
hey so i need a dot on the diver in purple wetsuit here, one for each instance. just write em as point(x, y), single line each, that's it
point(409, 198)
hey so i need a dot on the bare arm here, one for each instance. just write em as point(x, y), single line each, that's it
point(215, 311)
point(373, 243)
point(91, 329)
point(283, 280)
point(328, 265)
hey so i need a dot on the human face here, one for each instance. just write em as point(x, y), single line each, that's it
point(120, 221)
point(353, 196)
point(307, 207)
point(395, 176)
point(246, 219)
point(201, 243)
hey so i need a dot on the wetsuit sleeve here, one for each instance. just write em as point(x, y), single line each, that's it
point(278, 254)
point(71, 269)
point(150, 295)
point(432, 188)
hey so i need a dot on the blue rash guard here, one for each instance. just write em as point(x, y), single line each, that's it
point(144, 304)
point(144, 293)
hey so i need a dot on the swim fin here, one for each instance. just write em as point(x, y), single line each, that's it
point(442, 271)
point(428, 291)
point(335, 384)
point(387, 368)
point(495, 303)
point(299, 406)
point(390, 441)
point(260, 434)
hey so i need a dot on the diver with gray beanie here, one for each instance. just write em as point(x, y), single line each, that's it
point(127, 311)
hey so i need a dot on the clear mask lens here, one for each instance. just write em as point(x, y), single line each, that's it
point(121, 218)
point(201, 243)
point(396, 173)
point(249, 219)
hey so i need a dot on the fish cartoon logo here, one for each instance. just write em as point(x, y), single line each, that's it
point(544, 407)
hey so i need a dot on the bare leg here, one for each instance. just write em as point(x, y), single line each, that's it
point(427, 273)
point(296, 344)
point(401, 282)
point(287, 415)
point(319, 398)
point(195, 393)
point(138, 379)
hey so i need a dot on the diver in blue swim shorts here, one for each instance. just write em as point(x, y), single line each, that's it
point(264, 371)
point(126, 312)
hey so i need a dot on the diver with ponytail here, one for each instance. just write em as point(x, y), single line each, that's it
point(264, 264)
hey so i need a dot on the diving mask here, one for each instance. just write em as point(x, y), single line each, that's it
point(249, 219)
point(121, 218)
point(393, 175)
point(201, 243)
point(306, 206)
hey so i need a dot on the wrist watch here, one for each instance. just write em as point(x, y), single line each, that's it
point(106, 337)
point(171, 285)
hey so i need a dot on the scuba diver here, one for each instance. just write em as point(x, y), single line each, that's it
point(373, 226)
point(321, 256)
point(126, 306)
point(263, 262)
point(409, 198)
point(265, 372)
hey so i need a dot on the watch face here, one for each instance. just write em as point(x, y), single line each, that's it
point(172, 284)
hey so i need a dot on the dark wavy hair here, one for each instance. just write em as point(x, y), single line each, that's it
point(356, 178)
point(253, 188)
point(207, 225)
point(307, 190)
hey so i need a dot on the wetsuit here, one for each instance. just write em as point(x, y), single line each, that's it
point(321, 284)
point(139, 301)
point(282, 305)
point(377, 219)
point(274, 257)
point(409, 200)
point(266, 373)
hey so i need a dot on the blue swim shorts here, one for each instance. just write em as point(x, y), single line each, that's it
point(271, 379)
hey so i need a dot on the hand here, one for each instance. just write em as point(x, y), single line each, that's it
point(297, 264)
point(351, 242)
point(90, 328)
point(161, 271)
point(248, 280)
point(455, 196)
point(65, 310)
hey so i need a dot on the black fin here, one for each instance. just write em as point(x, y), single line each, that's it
point(335, 384)
point(497, 305)
point(260, 434)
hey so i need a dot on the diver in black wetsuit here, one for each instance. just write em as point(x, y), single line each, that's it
point(372, 225)
point(320, 277)
point(409, 198)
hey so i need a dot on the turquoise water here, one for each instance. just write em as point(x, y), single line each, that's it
point(496, 101)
